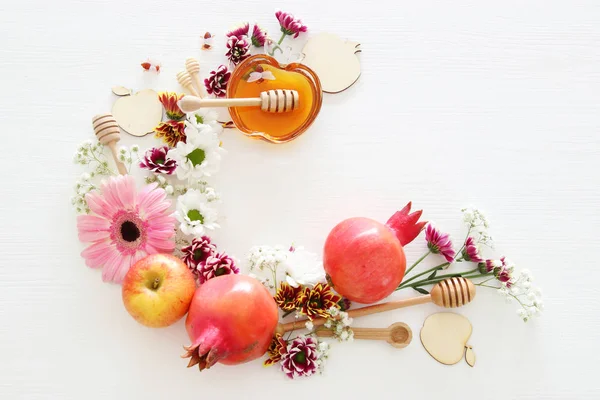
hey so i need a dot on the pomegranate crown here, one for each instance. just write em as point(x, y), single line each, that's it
point(406, 225)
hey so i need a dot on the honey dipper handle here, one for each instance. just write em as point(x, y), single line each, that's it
point(120, 166)
point(193, 103)
point(359, 312)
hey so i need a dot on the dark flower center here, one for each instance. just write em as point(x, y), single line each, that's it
point(129, 231)
point(196, 157)
point(220, 271)
point(300, 357)
point(316, 302)
point(194, 215)
point(198, 254)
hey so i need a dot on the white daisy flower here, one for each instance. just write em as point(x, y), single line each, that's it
point(205, 116)
point(194, 213)
point(201, 154)
point(303, 268)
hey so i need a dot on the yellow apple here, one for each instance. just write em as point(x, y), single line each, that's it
point(158, 289)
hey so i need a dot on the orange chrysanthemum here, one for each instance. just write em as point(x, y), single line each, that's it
point(287, 296)
point(171, 132)
point(276, 349)
point(318, 300)
point(169, 101)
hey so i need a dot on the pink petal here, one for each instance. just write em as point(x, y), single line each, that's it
point(92, 228)
point(127, 191)
point(111, 192)
point(149, 202)
point(162, 221)
point(115, 262)
point(98, 205)
point(97, 254)
point(159, 246)
point(158, 234)
point(158, 208)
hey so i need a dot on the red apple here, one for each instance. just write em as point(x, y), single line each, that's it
point(158, 289)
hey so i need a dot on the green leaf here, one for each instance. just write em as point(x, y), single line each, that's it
point(420, 290)
point(433, 274)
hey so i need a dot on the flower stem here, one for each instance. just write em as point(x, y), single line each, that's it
point(274, 277)
point(277, 46)
point(510, 294)
point(441, 278)
point(417, 262)
point(403, 284)
point(281, 38)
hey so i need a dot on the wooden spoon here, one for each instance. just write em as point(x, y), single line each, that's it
point(398, 335)
point(449, 293)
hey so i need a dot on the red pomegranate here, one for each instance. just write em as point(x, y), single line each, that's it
point(231, 320)
point(365, 260)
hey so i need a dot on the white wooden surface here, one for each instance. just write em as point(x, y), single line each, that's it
point(484, 102)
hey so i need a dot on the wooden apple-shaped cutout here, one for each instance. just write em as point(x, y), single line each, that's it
point(139, 113)
point(445, 336)
point(334, 60)
point(261, 73)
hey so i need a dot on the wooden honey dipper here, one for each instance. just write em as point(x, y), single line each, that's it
point(185, 80)
point(398, 335)
point(275, 101)
point(108, 133)
point(449, 293)
point(193, 68)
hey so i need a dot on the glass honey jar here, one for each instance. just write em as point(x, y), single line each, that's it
point(261, 73)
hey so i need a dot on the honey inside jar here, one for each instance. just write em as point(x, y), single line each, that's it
point(276, 125)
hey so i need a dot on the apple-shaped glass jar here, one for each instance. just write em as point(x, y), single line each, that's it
point(261, 73)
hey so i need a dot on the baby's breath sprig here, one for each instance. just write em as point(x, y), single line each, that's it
point(339, 323)
point(91, 153)
point(267, 258)
point(162, 183)
point(127, 155)
point(82, 187)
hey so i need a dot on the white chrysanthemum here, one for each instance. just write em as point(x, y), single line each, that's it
point(205, 116)
point(303, 268)
point(201, 154)
point(195, 214)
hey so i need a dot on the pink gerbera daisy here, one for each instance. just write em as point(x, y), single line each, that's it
point(125, 226)
point(439, 243)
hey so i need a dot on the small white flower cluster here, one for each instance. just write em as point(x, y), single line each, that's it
point(322, 354)
point(269, 258)
point(340, 323)
point(166, 183)
point(478, 224)
point(521, 290)
point(299, 266)
point(82, 187)
point(127, 154)
point(163, 183)
point(91, 153)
